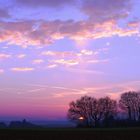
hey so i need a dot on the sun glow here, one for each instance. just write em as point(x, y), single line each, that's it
point(81, 118)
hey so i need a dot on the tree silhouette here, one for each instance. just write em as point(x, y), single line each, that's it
point(89, 112)
point(81, 111)
point(130, 103)
point(108, 109)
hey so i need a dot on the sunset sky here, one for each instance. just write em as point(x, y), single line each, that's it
point(55, 51)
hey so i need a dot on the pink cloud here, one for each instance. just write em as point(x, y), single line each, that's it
point(21, 56)
point(38, 61)
point(52, 66)
point(85, 71)
point(44, 35)
point(135, 24)
point(58, 53)
point(86, 52)
point(4, 56)
point(1, 71)
point(66, 62)
point(96, 61)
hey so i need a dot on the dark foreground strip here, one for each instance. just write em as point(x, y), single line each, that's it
point(70, 134)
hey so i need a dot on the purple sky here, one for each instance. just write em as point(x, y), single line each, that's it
point(53, 52)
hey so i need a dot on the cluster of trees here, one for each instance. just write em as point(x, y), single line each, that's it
point(91, 112)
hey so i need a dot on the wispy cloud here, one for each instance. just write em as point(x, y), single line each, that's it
point(60, 91)
point(21, 56)
point(86, 52)
point(113, 90)
point(48, 53)
point(85, 71)
point(38, 61)
point(22, 69)
point(96, 61)
point(52, 66)
point(58, 53)
point(70, 93)
point(4, 56)
point(66, 62)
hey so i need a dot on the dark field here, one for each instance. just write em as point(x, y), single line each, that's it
point(71, 133)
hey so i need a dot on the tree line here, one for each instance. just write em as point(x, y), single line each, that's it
point(18, 124)
point(106, 112)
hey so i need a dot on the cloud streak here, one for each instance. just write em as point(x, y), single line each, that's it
point(66, 62)
point(38, 61)
point(21, 56)
point(4, 56)
point(22, 69)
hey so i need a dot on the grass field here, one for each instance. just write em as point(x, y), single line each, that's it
point(71, 133)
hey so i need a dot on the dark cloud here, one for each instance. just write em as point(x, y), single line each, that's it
point(96, 10)
point(48, 3)
point(100, 10)
point(4, 13)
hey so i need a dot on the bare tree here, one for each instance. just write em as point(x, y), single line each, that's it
point(91, 111)
point(82, 110)
point(108, 109)
point(130, 103)
point(138, 104)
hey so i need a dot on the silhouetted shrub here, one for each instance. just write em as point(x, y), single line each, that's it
point(22, 124)
point(3, 125)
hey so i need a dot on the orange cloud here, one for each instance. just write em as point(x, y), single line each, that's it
point(135, 24)
point(66, 62)
point(58, 54)
point(22, 69)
